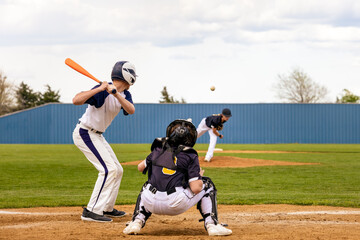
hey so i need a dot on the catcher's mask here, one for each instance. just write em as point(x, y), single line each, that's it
point(181, 132)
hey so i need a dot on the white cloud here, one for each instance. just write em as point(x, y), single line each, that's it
point(164, 22)
point(239, 46)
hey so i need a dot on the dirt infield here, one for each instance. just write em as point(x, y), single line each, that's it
point(247, 222)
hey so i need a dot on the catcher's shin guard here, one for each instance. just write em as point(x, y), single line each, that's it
point(209, 185)
point(140, 209)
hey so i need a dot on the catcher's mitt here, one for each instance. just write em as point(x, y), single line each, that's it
point(220, 127)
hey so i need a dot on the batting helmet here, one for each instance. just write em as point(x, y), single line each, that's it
point(124, 71)
point(181, 132)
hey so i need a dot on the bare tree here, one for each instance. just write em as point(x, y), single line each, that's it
point(6, 95)
point(298, 87)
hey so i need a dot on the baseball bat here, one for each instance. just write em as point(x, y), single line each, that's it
point(71, 63)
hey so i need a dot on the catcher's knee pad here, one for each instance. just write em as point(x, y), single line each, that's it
point(212, 196)
point(208, 183)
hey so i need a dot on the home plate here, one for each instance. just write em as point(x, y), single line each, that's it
point(218, 149)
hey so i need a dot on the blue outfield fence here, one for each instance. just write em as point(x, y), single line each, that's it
point(250, 123)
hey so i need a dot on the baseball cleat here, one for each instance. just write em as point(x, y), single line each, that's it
point(206, 160)
point(115, 213)
point(93, 217)
point(134, 227)
point(217, 230)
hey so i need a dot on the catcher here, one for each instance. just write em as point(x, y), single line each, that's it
point(175, 182)
point(213, 124)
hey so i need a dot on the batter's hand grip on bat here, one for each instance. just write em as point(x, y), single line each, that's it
point(71, 63)
point(113, 91)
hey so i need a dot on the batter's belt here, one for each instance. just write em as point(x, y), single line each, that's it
point(88, 128)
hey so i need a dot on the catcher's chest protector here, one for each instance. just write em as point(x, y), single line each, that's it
point(167, 157)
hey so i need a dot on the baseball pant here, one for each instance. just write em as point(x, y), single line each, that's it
point(173, 204)
point(98, 151)
point(201, 129)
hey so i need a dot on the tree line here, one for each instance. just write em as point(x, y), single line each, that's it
point(14, 98)
point(294, 87)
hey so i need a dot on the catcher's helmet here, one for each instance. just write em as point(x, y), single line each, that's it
point(124, 71)
point(181, 132)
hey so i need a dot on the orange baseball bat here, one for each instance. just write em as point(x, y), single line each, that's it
point(71, 63)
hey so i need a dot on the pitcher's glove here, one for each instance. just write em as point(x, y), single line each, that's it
point(220, 127)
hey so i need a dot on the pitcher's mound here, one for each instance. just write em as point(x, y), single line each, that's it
point(236, 162)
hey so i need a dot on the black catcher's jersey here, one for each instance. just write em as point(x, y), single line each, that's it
point(163, 179)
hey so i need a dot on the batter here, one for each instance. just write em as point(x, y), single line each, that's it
point(175, 181)
point(103, 106)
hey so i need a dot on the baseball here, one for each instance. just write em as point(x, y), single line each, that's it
point(212, 88)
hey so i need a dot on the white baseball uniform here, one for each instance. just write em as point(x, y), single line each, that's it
point(206, 125)
point(101, 111)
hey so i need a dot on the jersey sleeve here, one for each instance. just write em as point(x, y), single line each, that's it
point(208, 121)
point(129, 98)
point(148, 159)
point(194, 169)
point(148, 163)
point(98, 99)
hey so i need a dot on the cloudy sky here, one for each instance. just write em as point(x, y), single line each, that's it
point(240, 46)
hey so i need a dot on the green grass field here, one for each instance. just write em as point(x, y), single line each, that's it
point(59, 175)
